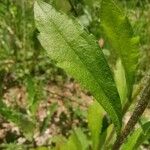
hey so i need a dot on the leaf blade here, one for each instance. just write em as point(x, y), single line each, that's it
point(95, 120)
point(77, 140)
point(119, 32)
point(78, 53)
point(120, 79)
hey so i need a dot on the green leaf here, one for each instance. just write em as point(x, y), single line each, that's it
point(59, 141)
point(35, 94)
point(110, 135)
point(79, 55)
point(120, 79)
point(137, 137)
point(53, 107)
point(31, 90)
point(25, 124)
point(41, 148)
point(95, 120)
point(120, 35)
point(82, 138)
point(77, 141)
point(62, 5)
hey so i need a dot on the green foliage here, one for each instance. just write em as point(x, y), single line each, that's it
point(95, 120)
point(26, 124)
point(24, 65)
point(120, 79)
point(34, 88)
point(78, 53)
point(12, 146)
point(76, 141)
point(47, 119)
point(137, 137)
point(120, 35)
point(62, 5)
point(142, 28)
point(20, 51)
point(41, 148)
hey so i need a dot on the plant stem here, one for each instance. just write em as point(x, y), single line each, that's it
point(143, 101)
point(132, 98)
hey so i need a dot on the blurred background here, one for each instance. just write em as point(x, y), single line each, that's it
point(43, 101)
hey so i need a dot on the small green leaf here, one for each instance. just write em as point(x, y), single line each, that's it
point(76, 141)
point(25, 124)
point(53, 107)
point(95, 120)
point(137, 137)
point(120, 79)
point(82, 138)
point(59, 141)
point(79, 54)
point(31, 90)
point(120, 35)
point(110, 135)
point(40, 148)
point(35, 94)
point(62, 5)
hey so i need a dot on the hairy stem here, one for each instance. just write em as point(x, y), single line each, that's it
point(143, 101)
point(131, 99)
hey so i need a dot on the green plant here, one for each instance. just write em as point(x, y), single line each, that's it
point(78, 53)
point(19, 52)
